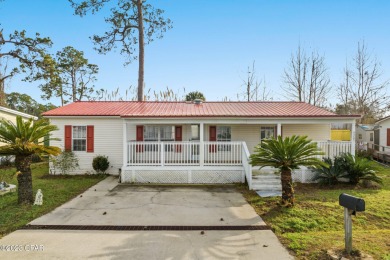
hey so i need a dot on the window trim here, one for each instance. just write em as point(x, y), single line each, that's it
point(268, 127)
point(86, 138)
point(221, 147)
point(159, 133)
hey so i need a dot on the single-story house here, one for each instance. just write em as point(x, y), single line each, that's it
point(186, 142)
point(10, 114)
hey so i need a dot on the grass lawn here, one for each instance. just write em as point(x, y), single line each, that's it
point(315, 224)
point(56, 191)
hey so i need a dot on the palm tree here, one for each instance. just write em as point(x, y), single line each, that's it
point(195, 95)
point(286, 155)
point(22, 140)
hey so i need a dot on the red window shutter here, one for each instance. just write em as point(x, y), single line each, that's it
point(139, 137)
point(90, 139)
point(212, 138)
point(140, 133)
point(68, 138)
point(178, 137)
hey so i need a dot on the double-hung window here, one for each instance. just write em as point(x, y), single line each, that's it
point(224, 134)
point(267, 132)
point(158, 134)
point(79, 138)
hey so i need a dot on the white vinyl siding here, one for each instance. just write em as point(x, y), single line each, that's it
point(383, 132)
point(107, 141)
point(319, 132)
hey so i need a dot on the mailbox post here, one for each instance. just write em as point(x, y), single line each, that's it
point(351, 205)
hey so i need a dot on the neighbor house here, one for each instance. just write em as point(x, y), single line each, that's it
point(382, 134)
point(365, 136)
point(10, 114)
point(187, 142)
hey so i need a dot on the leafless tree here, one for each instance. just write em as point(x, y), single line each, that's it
point(307, 78)
point(254, 90)
point(362, 91)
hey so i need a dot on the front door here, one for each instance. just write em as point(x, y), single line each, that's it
point(195, 137)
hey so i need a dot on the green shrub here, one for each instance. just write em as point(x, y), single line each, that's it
point(332, 174)
point(368, 154)
point(359, 169)
point(100, 163)
point(65, 162)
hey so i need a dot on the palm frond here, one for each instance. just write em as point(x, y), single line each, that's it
point(288, 153)
point(24, 137)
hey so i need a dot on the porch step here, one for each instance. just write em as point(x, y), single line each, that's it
point(266, 194)
point(267, 184)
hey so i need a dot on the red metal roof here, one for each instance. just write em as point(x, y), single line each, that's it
point(186, 109)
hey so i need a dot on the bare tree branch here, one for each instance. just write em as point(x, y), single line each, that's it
point(307, 78)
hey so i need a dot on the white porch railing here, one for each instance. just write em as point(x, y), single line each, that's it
point(184, 153)
point(214, 153)
point(334, 148)
point(223, 153)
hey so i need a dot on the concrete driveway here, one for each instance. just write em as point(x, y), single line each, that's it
point(108, 203)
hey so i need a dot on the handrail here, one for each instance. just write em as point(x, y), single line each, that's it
point(246, 164)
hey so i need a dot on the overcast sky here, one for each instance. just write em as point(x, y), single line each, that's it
point(213, 42)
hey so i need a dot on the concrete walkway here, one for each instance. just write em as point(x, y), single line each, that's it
point(108, 203)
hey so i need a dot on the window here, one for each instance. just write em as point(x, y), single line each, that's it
point(195, 132)
point(371, 137)
point(360, 136)
point(158, 133)
point(79, 138)
point(224, 134)
point(267, 132)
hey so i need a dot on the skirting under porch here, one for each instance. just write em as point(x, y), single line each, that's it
point(183, 174)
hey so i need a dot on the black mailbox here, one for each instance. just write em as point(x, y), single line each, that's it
point(352, 203)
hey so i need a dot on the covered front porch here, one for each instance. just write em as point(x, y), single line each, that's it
point(203, 151)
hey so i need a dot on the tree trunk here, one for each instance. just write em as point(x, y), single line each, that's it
point(25, 189)
point(287, 188)
point(2, 93)
point(141, 54)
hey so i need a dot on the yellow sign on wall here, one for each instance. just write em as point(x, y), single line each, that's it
point(340, 135)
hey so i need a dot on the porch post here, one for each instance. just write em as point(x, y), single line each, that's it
point(125, 155)
point(201, 144)
point(353, 136)
point(279, 129)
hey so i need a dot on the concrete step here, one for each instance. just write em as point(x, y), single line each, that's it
point(267, 187)
point(265, 194)
point(268, 182)
point(266, 176)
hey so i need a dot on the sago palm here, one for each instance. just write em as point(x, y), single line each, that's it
point(22, 140)
point(286, 155)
